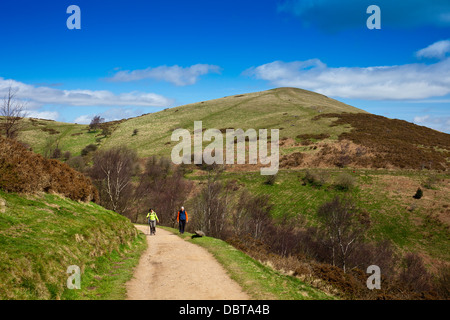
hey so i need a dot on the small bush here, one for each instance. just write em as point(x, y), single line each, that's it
point(291, 160)
point(414, 274)
point(443, 282)
point(419, 194)
point(316, 179)
point(106, 131)
point(344, 181)
point(57, 154)
point(67, 155)
point(270, 180)
point(77, 163)
point(89, 148)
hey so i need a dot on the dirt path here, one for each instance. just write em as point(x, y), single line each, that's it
point(174, 269)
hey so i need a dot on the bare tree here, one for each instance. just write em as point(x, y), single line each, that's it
point(343, 227)
point(112, 173)
point(212, 205)
point(162, 188)
point(252, 215)
point(13, 111)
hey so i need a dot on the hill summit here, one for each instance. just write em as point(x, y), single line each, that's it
point(315, 131)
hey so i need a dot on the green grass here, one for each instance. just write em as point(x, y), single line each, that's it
point(106, 277)
point(42, 235)
point(259, 281)
point(67, 136)
point(390, 219)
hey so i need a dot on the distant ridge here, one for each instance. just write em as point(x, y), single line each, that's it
point(315, 131)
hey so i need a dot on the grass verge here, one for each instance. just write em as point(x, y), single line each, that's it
point(42, 235)
point(105, 278)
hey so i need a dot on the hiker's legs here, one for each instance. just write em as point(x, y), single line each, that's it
point(153, 226)
point(182, 225)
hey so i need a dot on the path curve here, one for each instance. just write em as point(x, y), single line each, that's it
point(174, 269)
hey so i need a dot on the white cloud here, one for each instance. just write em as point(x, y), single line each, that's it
point(175, 74)
point(49, 115)
point(84, 119)
point(438, 50)
point(40, 95)
point(421, 119)
point(110, 115)
point(441, 123)
point(399, 82)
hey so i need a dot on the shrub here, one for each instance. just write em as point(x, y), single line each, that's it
point(77, 163)
point(419, 194)
point(414, 274)
point(292, 160)
point(316, 179)
point(443, 282)
point(89, 148)
point(307, 136)
point(344, 181)
point(106, 131)
point(270, 180)
point(67, 155)
point(57, 153)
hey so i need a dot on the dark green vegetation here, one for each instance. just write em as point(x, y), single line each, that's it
point(42, 235)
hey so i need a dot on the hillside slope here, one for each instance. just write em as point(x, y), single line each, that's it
point(315, 131)
point(42, 235)
point(22, 170)
point(287, 109)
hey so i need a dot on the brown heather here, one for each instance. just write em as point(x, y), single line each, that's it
point(392, 142)
point(23, 171)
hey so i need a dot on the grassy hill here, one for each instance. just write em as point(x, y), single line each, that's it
point(287, 109)
point(42, 235)
point(315, 131)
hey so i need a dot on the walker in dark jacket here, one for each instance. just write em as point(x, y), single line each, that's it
point(182, 218)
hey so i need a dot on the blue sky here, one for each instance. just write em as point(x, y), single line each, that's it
point(134, 57)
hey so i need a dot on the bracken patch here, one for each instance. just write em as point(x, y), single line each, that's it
point(23, 171)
